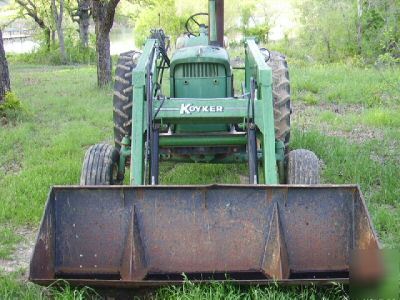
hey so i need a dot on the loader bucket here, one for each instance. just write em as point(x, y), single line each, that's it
point(151, 235)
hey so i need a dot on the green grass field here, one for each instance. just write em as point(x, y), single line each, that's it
point(349, 116)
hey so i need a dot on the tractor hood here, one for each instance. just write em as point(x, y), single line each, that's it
point(201, 54)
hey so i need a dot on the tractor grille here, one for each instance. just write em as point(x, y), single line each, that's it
point(201, 70)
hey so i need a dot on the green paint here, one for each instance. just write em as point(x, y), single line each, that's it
point(234, 158)
point(202, 111)
point(280, 150)
point(280, 160)
point(124, 154)
point(202, 141)
point(213, 20)
point(264, 109)
point(138, 115)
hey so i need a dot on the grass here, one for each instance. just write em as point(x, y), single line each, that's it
point(8, 241)
point(341, 84)
point(217, 291)
point(12, 287)
point(64, 113)
point(382, 118)
point(46, 147)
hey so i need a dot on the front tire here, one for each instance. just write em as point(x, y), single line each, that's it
point(100, 166)
point(303, 167)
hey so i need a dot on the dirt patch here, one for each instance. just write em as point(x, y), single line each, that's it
point(304, 116)
point(32, 81)
point(3, 121)
point(22, 254)
point(11, 167)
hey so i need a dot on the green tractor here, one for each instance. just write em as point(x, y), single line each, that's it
point(280, 226)
point(203, 120)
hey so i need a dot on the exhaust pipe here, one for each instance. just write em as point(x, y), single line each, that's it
point(216, 22)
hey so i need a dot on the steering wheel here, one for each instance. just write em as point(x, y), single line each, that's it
point(191, 20)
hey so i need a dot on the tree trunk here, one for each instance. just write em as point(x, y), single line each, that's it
point(53, 37)
point(60, 34)
point(47, 37)
point(58, 18)
point(103, 15)
point(103, 58)
point(84, 32)
point(328, 48)
point(4, 74)
point(84, 20)
point(359, 25)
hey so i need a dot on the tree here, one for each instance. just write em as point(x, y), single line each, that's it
point(103, 15)
point(58, 19)
point(328, 28)
point(359, 25)
point(38, 11)
point(4, 73)
point(250, 27)
point(80, 13)
point(161, 14)
point(380, 22)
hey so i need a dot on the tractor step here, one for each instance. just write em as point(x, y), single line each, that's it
point(152, 235)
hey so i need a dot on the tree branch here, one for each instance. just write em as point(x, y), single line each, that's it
point(110, 13)
point(32, 12)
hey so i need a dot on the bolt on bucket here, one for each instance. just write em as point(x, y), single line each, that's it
point(152, 235)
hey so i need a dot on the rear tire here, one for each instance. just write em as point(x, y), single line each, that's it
point(100, 166)
point(123, 94)
point(302, 167)
point(281, 96)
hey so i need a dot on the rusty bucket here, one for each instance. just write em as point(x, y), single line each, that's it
point(152, 235)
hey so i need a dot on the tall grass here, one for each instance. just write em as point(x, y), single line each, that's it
point(228, 291)
point(344, 84)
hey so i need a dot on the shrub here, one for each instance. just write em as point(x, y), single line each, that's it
point(11, 102)
point(76, 54)
point(10, 109)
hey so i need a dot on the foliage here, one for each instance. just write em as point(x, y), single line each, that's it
point(159, 14)
point(11, 111)
point(332, 30)
point(388, 60)
point(11, 102)
point(380, 23)
point(249, 26)
point(327, 28)
point(76, 53)
point(240, 17)
point(260, 32)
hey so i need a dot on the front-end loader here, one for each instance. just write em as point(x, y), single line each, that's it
point(282, 225)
